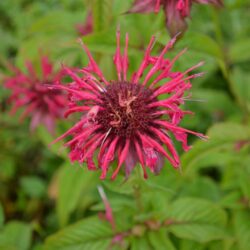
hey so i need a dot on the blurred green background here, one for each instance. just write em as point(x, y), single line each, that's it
point(48, 203)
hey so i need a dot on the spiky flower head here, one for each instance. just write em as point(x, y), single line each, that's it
point(125, 119)
point(29, 91)
point(176, 11)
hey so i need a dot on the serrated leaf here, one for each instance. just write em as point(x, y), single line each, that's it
point(198, 232)
point(196, 219)
point(223, 136)
point(160, 240)
point(197, 210)
point(74, 185)
point(88, 234)
point(16, 236)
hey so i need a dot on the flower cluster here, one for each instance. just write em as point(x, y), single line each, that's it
point(30, 91)
point(128, 119)
point(176, 11)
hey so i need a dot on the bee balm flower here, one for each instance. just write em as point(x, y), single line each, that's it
point(126, 119)
point(30, 91)
point(176, 11)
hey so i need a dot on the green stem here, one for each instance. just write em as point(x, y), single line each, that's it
point(138, 189)
point(217, 27)
point(137, 195)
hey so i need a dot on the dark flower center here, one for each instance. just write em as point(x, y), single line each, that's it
point(124, 109)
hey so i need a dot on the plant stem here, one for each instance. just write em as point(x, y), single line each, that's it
point(138, 189)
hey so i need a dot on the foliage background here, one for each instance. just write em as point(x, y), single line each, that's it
point(46, 203)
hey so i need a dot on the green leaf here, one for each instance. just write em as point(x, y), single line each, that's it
point(89, 234)
point(75, 185)
point(242, 229)
point(196, 219)
point(241, 85)
point(201, 188)
point(8, 168)
point(215, 102)
point(16, 236)
point(102, 42)
point(160, 240)
point(49, 23)
point(244, 183)
point(222, 137)
point(46, 138)
point(1, 216)
point(198, 232)
point(202, 43)
point(191, 245)
point(197, 210)
point(227, 244)
point(236, 177)
point(231, 200)
point(240, 50)
point(102, 14)
point(140, 243)
point(33, 186)
point(105, 42)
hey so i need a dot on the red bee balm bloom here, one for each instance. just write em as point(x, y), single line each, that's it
point(28, 90)
point(124, 118)
point(176, 11)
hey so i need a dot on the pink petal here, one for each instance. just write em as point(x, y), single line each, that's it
point(35, 121)
point(153, 160)
point(121, 158)
point(46, 67)
point(71, 130)
point(91, 146)
point(145, 62)
point(125, 59)
point(108, 157)
point(167, 141)
point(93, 67)
point(130, 161)
point(141, 158)
point(118, 57)
point(145, 6)
point(76, 109)
point(87, 27)
point(149, 142)
point(49, 122)
point(159, 61)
